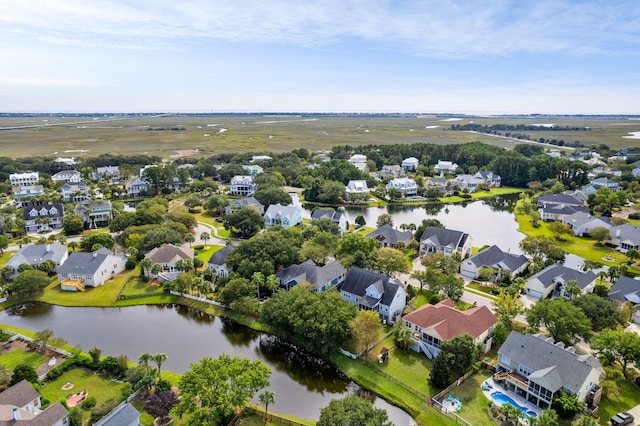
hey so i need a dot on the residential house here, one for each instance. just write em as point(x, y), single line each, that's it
point(94, 214)
point(124, 414)
point(559, 199)
point(285, 216)
point(393, 171)
point(603, 171)
point(322, 158)
point(374, 292)
point(357, 190)
point(218, 261)
point(490, 179)
point(581, 223)
point(359, 161)
point(603, 182)
point(24, 179)
point(67, 161)
point(137, 187)
point(235, 205)
point(253, 170)
point(468, 182)
point(503, 263)
point(433, 324)
point(26, 192)
point(84, 269)
point(624, 237)
point(21, 405)
point(407, 186)
point(167, 256)
point(445, 167)
point(75, 192)
point(321, 278)
point(636, 172)
point(336, 217)
point(627, 290)
point(536, 368)
point(445, 241)
point(557, 206)
point(243, 186)
point(260, 158)
point(35, 254)
point(43, 217)
point(410, 164)
point(389, 237)
point(106, 172)
point(67, 176)
point(442, 184)
point(553, 279)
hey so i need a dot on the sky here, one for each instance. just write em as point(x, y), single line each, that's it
point(424, 56)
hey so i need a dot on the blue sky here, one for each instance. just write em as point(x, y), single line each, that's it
point(486, 57)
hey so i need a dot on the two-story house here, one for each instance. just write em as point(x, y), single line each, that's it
point(43, 217)
point(75, 192)
point(136, 187)
point(94, 214)
point(336, 217)
point(67, 176)
point(406, 186)
point(445, 241)
point(357, 190)
point(285, 216)
point(321, 278)
point(468, 182)
point(21, 405)
point(374, 292)
point(218, 261)
point(250, 202)
point(84, 269)
point(389, 237)
point(359, 161)
point(242, 186)
point(167, 256)
point(489, 179)
point(392, 171)
point(445, 167)
point(503, 263)
point(433, 324)
point(106, 172)
point(410, 164)
point(24, 179)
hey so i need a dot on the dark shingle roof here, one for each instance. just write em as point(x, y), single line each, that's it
point(35, 254)
point(625, 289)
point(550, 274)
point(329, 214)
point(20, 394)
point(310, 272)
point(358, 280)
point(559, 199)
point(444, 237)
point(84, 263)
point(220, 257)
point(390, 235)
point(169, 254)
point(494, 257)
point(123, 415)
point(59, 211)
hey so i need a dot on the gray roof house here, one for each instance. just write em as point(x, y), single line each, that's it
point(21, 405)
point(136, 187)
point(392, 171)
point(446, 241)
point(83, 269)
point(94, 214)
point(357, 189)
point(35, 254)
point(103, 172)
point(218, 261)
point(625, 237)
point(495, 258)
point(537, 367)
point(320, 277)
point(167, 256)
point(552, 280)
point(67, 176)
point(242, 186)
point(563, 199)
point(374, 292)
point(336, 217)
point(581, 223)
point(389, 237)
point(123, 415)
point(237, 204)
point(43, 217)
point(559, 211)
point(410, 164)
point(626, 290)
point(489, 178)
point(406, 186)
point(285, 216)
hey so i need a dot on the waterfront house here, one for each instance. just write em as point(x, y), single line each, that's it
point(357, 189)
point(336, 217)
point(359, 161)
point(536, 368)
point(167, 256)
point(242, 186)
point(489, 179)
point(581, 223)
point(553, 279)
point(136, 187)
point(94, 214)
point(21, 404)
point(35, 254)
point(467, 182)
point(389, 237)
point(84, 269)
point(392, 171)
point(218, 261)
point(374, 292)
point(42, 217)
point(321, 278)
point(445, 241)
point(503, 263)
point(124, 414)
point(410, 164)
point(285, 216)
point(433, 324)
point(406, 186)
point(624, 237)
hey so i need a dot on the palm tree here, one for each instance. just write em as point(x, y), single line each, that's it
point(156, 268)
point(205, 236)
point(189, 238)
point(144, 360)
point(258, 279)
point(403, 337)
point(73, 245)
point(159, 358)
point(267, 397)
point(62, 238)
point(572, 289)
point(511, 413)
point(271, 283)
point(145, 265)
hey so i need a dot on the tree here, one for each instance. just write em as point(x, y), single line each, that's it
point(23, 372)
point(192, 202)
point(360, 220)
point(145, 266)
point(184, 265)
point(47, 266)
point(547, 417)
point(559, 229)
point(365, 328)
point(4, 243)
point(506, 307)
point(632, 255)
point(424, 277)
point(391, 261)
point(618, 346)
point(266, 398)
point(269, 195)
point(245, 222)
point(511, 414)
point(463, 351)
point(7, 272)
point(602, 312)
point(571, 288)
point(160, 404)
point(159, 359)
point(163, 235)
point(41, 338)
point(352, 243)
point(599, 234)
point(394, 194)
point(216, 204)
point(352, 410)
point(566, 405)
point(451, 286)
point(105, 240)
point(564, 321)
point(541, 248)
point(384, 219)
point(29, 282)
point(585, 420)
point(189, 238)
point(213, 390)
point(72, 224)
point(403, 337)
point(144, 360)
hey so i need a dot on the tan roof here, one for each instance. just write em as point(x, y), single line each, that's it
point(169, 254)
point(448, 322)
point(20, 394)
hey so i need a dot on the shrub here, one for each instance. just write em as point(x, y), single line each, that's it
point(89, 403)
point(634, 216)
point(131, 264)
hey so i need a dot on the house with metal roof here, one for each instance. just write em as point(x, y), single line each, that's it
point(136, 187)
point(389, 237)
point(374, 292)
point(536, 368)
point(503, 263)
point(321, 278)
point(433, 324)
point(84, 269)
point(445, 241)
point(553, 279)
point(489, 178)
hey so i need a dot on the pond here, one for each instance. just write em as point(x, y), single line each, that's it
point(489, 221)
point(303, 384)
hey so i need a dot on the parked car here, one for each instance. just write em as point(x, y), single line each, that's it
point(623, 418)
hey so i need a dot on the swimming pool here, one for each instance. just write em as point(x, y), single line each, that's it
point(501, 399)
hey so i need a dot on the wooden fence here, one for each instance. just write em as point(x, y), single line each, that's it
point(436, 401)
point(274, 418)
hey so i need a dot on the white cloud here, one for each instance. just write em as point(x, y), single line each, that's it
point(431, 28)
point(46, 82)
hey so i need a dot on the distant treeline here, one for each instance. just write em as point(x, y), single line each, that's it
point(484, 128)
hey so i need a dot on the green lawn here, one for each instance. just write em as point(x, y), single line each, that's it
point(19, 356)
point(481, 194)
point(102, 388)
point(484, 290)
point(104, 295)
point(5, 256)
point(628, 397)
point(138, 286)
point(205, 255)
point(475, 406)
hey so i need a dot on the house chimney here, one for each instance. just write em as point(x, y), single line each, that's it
point(95, 254)
point(16, 413)
point(47, 248)
point(617, 232)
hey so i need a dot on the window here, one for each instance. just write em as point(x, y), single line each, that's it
point(524, 370)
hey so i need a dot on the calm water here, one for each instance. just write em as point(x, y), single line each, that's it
point(303, 384)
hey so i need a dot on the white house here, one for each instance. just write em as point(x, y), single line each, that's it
point(67, 176)
point(21, 405)
point(84, 269)
point(75, 192)
point(552, 281)
point(94, 214)
point(285, 216)
point(136, 187)
point(242, 186)
point(489, 178)
point(359, 161)
point(43, 217)
point(494, 258)
point(468, 182)
point(20, 179)
point(357, 189)
point(445, 241)
point(445, 167)
point(392, 171)
point(581, 223)
point(374, 292)
point(334, 216)
point(410, 164)
point(106, 172)
point(218, 261)
point(321, 278)
point(407, 186)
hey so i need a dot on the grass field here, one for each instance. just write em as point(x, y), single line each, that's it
point(19, 356)
point(254, 133)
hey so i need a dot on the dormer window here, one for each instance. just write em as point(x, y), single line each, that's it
point(43, 212)
point(53, 211)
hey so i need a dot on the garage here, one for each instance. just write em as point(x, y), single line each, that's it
point(534, 293)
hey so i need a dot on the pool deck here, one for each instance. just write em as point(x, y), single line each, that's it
point(518, 399)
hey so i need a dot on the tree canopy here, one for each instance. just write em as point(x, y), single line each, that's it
point(352, 410)
point(564, 321)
